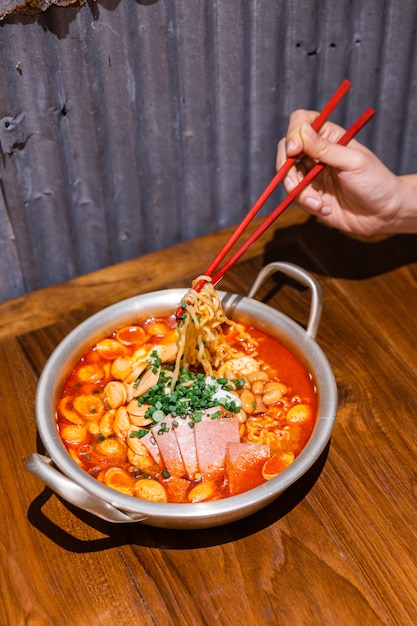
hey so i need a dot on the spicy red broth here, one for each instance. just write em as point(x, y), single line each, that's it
point(208, 438)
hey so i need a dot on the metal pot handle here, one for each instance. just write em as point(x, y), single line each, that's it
point(303, 277)
point(41, 467)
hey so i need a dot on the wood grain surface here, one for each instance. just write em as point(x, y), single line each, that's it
point(337, 548)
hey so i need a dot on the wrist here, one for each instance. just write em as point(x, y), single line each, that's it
point(405, 209)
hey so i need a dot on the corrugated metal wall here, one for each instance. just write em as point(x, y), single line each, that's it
point(127, 126)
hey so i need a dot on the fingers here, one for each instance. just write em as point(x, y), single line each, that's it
point(294, 141)
point(318, 147)
point(321, 149)
point(281, 153)
point(309, 199)
point(309, 146)
point(292, 144)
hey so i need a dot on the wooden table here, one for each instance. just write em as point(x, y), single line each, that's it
point(339, 547)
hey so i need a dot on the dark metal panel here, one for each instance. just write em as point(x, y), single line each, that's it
point(367, 24)
point(265, 94)
point(195, 122)
point(397, 59)
point(31, 167)
point(229, 30)
point(11, 273)
point(407, 129)
point(126, 127)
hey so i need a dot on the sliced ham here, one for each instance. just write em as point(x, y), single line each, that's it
point(211, 448)
point(211, 437)
point(186, 439)
point(244, 463)
point(212, 413)
point(168, 446)
point(149, 442)
point(186, 442)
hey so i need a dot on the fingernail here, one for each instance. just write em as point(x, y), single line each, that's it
point(312, 203)
point(290, 146)
point(325, 210)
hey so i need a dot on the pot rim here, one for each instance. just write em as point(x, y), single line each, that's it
point(162, 302)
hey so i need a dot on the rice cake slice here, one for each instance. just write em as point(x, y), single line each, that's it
point(244, 462)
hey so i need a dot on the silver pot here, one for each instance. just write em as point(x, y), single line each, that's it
point(62, 474)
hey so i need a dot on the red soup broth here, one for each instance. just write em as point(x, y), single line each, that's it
point(221, 451)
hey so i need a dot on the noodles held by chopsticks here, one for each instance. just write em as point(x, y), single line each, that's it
point(201, 340)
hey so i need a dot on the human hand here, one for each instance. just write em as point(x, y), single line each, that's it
point(356, 192)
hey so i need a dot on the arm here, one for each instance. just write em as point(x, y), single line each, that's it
point(356, 193)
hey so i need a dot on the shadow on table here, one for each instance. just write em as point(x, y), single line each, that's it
point(146, 536)
point(324, 250)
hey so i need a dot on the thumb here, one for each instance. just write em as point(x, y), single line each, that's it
point(321, 149)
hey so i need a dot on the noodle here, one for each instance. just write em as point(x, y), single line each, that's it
point(201, 340)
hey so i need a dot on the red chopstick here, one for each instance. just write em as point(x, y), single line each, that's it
point(315, 170)
point(318, 122)
point(279, 176)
